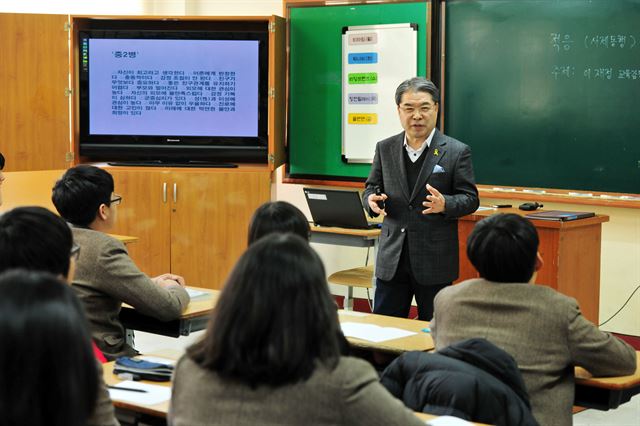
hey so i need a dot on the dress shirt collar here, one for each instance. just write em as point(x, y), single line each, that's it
point(415, 154)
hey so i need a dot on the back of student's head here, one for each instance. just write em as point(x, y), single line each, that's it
point(79, 193)
point(279, 217)
point(34, 238)
point(503, 248)
point(48, 372)
point(1, 161)
point(275, 318)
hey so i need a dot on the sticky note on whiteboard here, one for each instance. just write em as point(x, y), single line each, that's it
point(363, 78)
point(363, 58)
point(363, 98)
point(366, 38)
point(371, 118)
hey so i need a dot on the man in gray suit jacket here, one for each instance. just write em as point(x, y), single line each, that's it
point(542, 329)
point(422, 182)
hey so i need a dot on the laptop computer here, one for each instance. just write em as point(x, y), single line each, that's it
point(559, 215)
point(331, 207)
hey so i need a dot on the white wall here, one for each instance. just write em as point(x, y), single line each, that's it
point(146, 7)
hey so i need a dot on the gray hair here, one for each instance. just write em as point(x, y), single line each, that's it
point(418, 84)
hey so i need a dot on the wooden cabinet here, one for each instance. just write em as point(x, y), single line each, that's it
point(189, 222)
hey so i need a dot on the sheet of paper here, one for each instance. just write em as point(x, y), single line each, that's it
point(483, 208)
point(373, 333)
point(352, 313)
point(448, 421)
point(193, 293)
point(154, 394)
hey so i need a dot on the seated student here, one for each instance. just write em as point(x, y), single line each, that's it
point(542, 329)
point(47, 366)
point(33, 238)
point(106, 276)
point(2, 178)
point(271, 356)
point(280, 217)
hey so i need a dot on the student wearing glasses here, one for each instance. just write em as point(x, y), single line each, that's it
point(106, 276)
point(35, 239)
point(271, 354)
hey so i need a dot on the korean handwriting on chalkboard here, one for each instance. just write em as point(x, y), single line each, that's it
point(609, 41)
point(561, 41)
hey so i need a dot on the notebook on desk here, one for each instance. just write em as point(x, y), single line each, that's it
point(331, 207)
point(559, 215)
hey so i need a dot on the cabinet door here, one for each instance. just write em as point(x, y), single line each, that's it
point(34, 71)
point(209, 221)
point(145, 214)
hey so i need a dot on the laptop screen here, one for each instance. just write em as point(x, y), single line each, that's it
point(330, 207)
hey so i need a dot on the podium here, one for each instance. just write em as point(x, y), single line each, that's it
point(570, 250)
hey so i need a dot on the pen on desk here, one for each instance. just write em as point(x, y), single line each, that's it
point(127, 389)
point(426, 330)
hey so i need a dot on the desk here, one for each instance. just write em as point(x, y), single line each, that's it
point(344, 236)
point(604, 393)
point(125, 239)
point(194, 318)
point(599, 393)
point(417, 342)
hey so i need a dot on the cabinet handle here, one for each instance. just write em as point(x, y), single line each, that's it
point(164, 192)
point(175, 192)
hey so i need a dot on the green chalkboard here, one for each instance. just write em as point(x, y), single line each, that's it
point(546, 92)
point(315, 81)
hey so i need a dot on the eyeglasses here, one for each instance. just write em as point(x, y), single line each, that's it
point(116, 200)
point(75, 252)
point(423, 110)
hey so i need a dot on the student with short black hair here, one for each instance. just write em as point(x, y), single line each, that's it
point(34, 238)
point(270, 354)
point(542, 329)
point(47, 368)
point(279, 217)
point(106, 276)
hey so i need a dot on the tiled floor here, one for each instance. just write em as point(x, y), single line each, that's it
point(626, 415)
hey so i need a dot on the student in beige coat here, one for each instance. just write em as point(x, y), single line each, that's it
point(271, 354)
point(542, 329)
point(105, 275)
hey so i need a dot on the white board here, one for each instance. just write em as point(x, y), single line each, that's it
point(375, 60)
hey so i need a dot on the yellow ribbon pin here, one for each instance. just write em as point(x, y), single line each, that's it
point(435, 152)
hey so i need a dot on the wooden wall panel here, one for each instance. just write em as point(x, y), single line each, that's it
point(34, 111)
